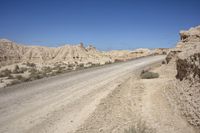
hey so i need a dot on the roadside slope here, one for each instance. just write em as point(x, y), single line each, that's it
point(135, 102)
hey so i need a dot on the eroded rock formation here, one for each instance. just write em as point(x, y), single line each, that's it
point(10, 53)
point(186, 90)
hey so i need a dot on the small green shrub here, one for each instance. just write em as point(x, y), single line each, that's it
point(81, 65)
point(118, 60)
point(33, 70)
point(5, 73)
point(59, 69)
point(26, 79)
point(108, 62)
point(23, 69)
point(70, 65)
point(140, 127)
point(14, 82)
point(10, 77)
point(163, 62)
point(95, 65)
point(19, 77)
point(44, 74)
point(46, 70)
point(35, 75)
point(53, 74)
point(30, 64)
point(19, 70)
point(148, 75)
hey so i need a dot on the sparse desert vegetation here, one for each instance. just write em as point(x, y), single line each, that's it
point(30, 64)
point(5, 73)
point(29, 71)
point(18, 69)
point(148, 75)
point(140, 127)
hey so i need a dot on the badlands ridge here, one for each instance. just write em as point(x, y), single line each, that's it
point(11, 52)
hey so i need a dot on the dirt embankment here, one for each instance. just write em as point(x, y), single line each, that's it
point(184, 91)
point(138, 102)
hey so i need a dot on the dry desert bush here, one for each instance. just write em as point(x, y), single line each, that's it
point(5, 73)
point(140, 127)
point(148, 75)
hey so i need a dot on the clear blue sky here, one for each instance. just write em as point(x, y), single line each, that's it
point(107, 24)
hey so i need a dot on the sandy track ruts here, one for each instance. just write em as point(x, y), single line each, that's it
point(62, 103)
point(135, 102)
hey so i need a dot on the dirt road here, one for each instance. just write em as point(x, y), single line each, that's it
point(139, 104)
point(62, 103)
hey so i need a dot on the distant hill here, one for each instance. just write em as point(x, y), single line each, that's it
point(11, 52)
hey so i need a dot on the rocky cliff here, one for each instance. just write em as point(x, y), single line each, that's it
point(188, 61)
point(186, 89)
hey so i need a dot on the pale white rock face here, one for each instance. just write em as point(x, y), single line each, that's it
point(123, 55)
point(188, 45)
point(159, 51)
point(5, 40)
point(10, 53)
point(191, 35)
point(189, 42)
point(142, 50)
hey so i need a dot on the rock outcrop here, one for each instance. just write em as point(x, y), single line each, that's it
point(160, 51)
point(192, 35)
point(124, 55)
point(172, 55)
point(186, 90)
point(188, 66)
point(188, 38)
point(188, 61)
point(10, 53)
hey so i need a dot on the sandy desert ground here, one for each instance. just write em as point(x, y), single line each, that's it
point(137, 102)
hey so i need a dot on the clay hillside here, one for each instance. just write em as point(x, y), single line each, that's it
point(11, 52)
